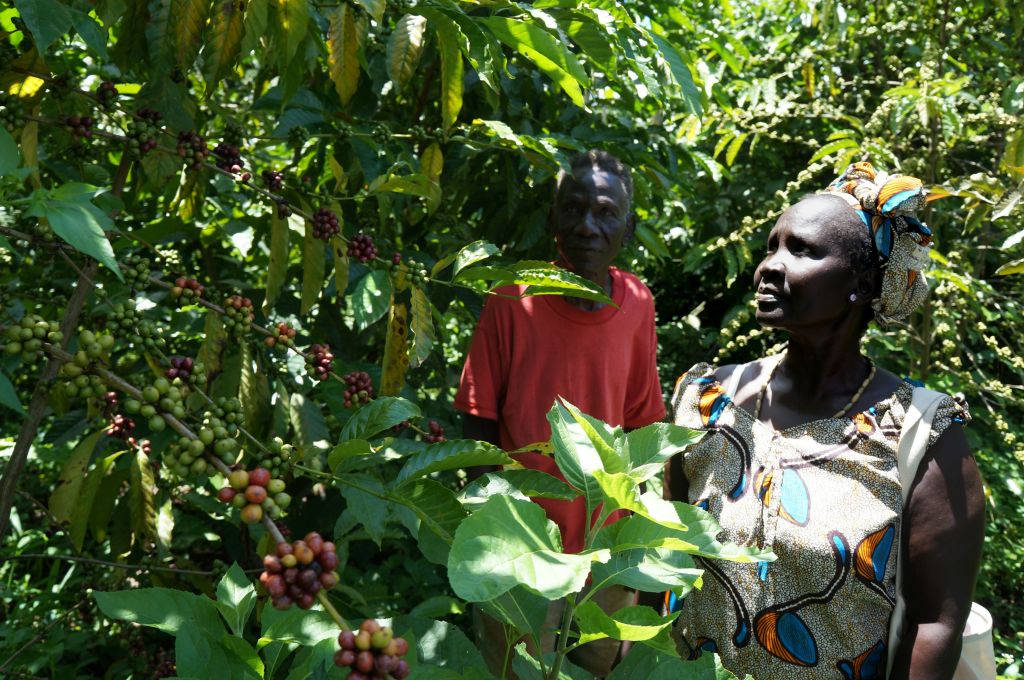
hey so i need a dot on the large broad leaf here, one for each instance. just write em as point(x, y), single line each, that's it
point(296, 625)
point(371, 297)
point(396, 358)
point(143, 498)
point(309, 423)
point(81, 224)
point(575, 453)
point(551, 280)
point(253, 393)
point(547, 53)
point(379, 415)
point(10, 156)
point(405, 46)
point(700, 537)
point(651, 570)
point(187, 28)
point(364, 503)
point(528, 667)
point(293, 23)
point(422, 328)
point(9, 396)
point(168, 610)
point(222, 50)
point(645, 663)
point(508, 543)
point(681, 74)
point(344, 38)
point(1014, 267)
point(450, 44)
point(278, 268)
point(648, 448)
point(341, 267)
point(434, 505)
point(516, 484)
point(526, 612)
point(195, 654)
point(236, 598)
point(473, 253)
point(65, 498)
point(84, 507)
point(632, 623)
point(443, 645)
point(602, 436)
point(313, 265)
point(451, 455)
point(46, 20)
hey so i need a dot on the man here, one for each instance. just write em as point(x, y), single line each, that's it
point(602, 358)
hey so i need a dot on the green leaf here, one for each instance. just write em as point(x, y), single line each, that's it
point(649, 448)
point(405, 45)
point(365, 508)
point(9, 396)
point(422, 328)
point(441, 644)
point(293, 22)
point(646, 663)
point(379, 415)
point(438, 606)
point(244, 652)
point(651, 570)
point(1008, 203)
point(510, 542)
point(1014, 267)
point(473, 253)
point(439, 514)
point(142, 496)
point(547, 54)
point(296, 626)
point(344, 40)
point(449, 44)
point(196, 653)
point(375, 8)
point(340, 267)
point(310, 426)
point(681, 74)
point(94, 35)
point(832, 148)
point(10, 155)
point(224, 46)
point(554, 278)
point(278, 269)
point(575, 453)
point(312, 270)
point(370, 299)
point(82, 225)
point(236, 598)
point(64, 500)
point(631, 623)
point(254, 393)
point(522, 484)
point(345, 450)
point(46, 20)
point(602, 436)
point(451, 455)
point(215, 341)
point(524, 611)
point(84, 506)
point(699, 538)
point(163, 608)
point(527, 667)
point(734, 148)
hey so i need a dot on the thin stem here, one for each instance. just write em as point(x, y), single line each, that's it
point(118, 565)
point(39, 636)
point(563, 637)
point(338, 618)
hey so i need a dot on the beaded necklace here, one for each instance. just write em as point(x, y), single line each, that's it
point(839, 414)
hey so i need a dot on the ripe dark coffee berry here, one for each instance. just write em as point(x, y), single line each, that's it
point(142, 131)
point(229, 157)
point(318, 361)
point(283, 208)
point(303, 572)
point(273, 179)
point(187, 290)
point(283, 334)
point(120, 427)
point(435, 434)
point(362, 248)
point(193, 149)
point(81, 126)
point(372, 652)
point(396, 259)
point(325, 224)
point(359, 389)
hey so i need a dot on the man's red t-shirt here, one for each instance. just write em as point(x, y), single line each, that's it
point(528, 351)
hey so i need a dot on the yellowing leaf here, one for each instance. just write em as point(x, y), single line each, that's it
point(344, 38)
point(396, 359)
point(188, 17)
point(293, 18)
point(432, 162)
point(448, 38)
point(221, 52)
point(141, 497)
point(312, 270)
point(340, 267)
point(278, 260)
point(405, 47)
point(422, 328)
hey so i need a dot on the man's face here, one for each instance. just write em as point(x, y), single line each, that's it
point(591, 220)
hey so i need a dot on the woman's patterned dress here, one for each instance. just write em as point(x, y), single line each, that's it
point(826, 498)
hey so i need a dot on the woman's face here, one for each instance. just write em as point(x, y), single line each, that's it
point(807, 275)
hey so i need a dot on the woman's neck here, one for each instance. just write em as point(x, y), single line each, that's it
point(819, 367)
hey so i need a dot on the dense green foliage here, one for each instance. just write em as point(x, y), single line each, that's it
point(431, 125)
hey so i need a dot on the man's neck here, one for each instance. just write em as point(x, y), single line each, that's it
point(602, 279)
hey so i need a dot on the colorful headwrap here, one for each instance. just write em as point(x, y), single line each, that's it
point(886, 204)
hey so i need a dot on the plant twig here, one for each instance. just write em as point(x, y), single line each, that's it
point(40, 635)
point(119, 565)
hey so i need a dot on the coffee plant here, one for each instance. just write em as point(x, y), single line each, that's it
point(249, 238)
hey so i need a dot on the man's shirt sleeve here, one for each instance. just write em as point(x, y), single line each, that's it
point(484, 374)
point(644, 401)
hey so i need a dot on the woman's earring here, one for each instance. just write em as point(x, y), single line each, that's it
point(853, 297)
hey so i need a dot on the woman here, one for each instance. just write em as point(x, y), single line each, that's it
point(801, 459)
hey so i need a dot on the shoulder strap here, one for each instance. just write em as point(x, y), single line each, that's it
point(913, 444)
point(734, 380)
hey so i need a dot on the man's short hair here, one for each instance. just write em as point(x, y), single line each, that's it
point(596, 158)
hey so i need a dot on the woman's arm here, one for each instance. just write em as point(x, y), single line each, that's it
point(943, 530)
